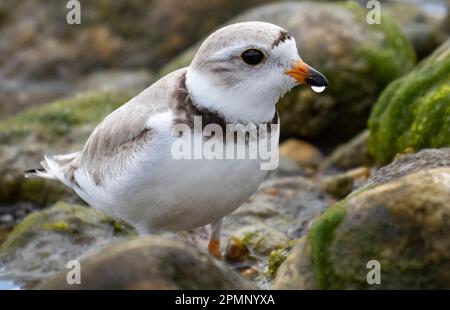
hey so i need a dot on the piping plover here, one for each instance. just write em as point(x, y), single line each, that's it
point(126, 168)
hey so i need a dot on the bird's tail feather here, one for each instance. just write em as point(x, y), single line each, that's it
point(40, 172)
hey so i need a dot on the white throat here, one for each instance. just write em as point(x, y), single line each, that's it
point(236, 105)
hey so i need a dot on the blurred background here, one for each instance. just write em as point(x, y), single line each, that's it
point(58, 81)
point(125, 43)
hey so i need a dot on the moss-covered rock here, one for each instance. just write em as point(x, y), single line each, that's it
point(277, 257)
point(151, 263)
point(358, 59)
point(414, 111)
point(62, 126)
point(57, 121)
point(46, 240)
point(403, 224)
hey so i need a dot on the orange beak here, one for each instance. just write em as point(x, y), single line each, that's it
point(305, 74)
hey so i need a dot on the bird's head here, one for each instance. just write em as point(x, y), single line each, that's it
point(243, 69)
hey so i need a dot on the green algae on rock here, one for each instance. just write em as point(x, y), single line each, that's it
point(403, 224)
point(261, 239)
point(358, 59)
point(56, 121)
point(60, 218)
point(414, 111)
point(320, 236)
point(49, 129)
point(46, 240)
point(277, 257)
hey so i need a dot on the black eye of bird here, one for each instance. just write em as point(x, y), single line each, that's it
point(252, 57)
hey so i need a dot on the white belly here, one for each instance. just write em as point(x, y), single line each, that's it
point(162, 193)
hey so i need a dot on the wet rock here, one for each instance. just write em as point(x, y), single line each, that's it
point(286, 205)
point(421, 21)
point(295, 271)
point(58, 127)
point(261, 239)
point(46, 240)
point(305, 154)
point(413, 112)
point(150, 263)
point(116, 80)
point(340, 185)
point(17, 95)
point(351, 154)
point(410, 163)
point(403, 224)
point(277, 257)
point(236, 250)
point(358, 59)
point(287, 167)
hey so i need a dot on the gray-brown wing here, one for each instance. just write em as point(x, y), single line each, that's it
point(124, 131)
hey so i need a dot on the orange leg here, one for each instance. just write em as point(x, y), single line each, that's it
point(214, 239)
point(214, 248)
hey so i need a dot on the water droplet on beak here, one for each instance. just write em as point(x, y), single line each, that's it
point(318, 89)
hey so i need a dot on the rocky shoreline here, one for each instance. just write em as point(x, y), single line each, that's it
point(364, 171)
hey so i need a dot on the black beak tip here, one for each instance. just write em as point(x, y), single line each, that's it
point(316, 79)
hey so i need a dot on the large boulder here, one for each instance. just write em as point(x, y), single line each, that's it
point(413, 112)
point(402, 224)
point(358, 59)
point(423, 22)
point(409, 163)
point(150, 263)
point(59, 127)
point(46, 240)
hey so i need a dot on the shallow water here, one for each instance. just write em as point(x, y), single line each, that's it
point(8, 285)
